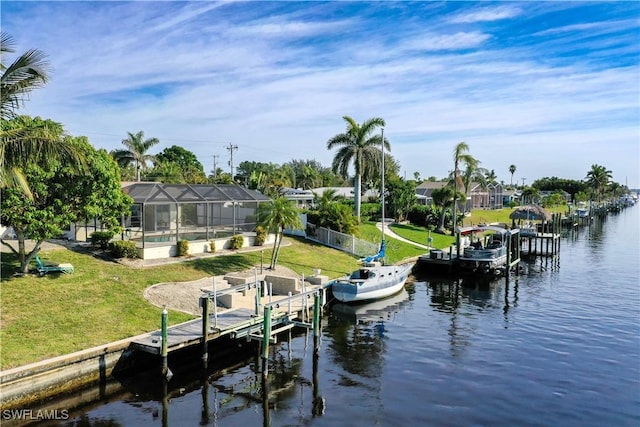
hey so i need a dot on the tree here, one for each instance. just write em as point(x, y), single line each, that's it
point(512, 170)
point(443, 198)
point(23, 139)
point(277, 216)
point(530, 195)
point(491, 177)
point(136, 152)
point(63, 195)
point(28, 72)
point(461, 156)
point(191, 169)
point(598, 179)
point(400, 197)
point(356, 146)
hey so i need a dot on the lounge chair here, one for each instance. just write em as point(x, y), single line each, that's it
point(52, 268)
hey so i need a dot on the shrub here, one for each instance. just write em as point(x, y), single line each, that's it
point(183, 247)
point(101, 239)
point(261, 236)
point(123, 249)
point(236, 241)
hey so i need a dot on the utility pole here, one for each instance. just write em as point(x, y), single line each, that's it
point(215, 165)
point(231, 148)
point(523, 181)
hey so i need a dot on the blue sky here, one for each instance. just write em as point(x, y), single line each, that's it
point(552, 87)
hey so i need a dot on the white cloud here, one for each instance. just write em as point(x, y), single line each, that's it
point(486, 14)
point(227, 74)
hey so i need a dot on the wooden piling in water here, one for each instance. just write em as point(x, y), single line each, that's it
point(205, 329)
point(266, 336)
point(164, 351)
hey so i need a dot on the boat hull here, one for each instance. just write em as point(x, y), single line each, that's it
point(389, 280)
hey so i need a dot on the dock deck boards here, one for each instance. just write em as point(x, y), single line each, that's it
point(185, 334)
point(242, 321)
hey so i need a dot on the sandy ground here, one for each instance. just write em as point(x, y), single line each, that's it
point(185, 296)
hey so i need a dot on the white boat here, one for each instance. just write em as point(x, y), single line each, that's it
point(370, 282)
point(373, 280)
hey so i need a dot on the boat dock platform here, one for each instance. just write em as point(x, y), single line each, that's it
point(270, 315)
point(497, 255)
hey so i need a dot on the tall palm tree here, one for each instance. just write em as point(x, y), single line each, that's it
point(26, 73)
point(136, 152)
point(598, 179)
point(277, 216)
point(357, 146)
point(460, 156)
point(512, 170)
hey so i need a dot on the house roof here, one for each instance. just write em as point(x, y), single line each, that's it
point(154, 192)
point(427, 187)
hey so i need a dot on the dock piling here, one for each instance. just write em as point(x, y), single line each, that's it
point(265, 340)
point(205, 329)
point(166, 373)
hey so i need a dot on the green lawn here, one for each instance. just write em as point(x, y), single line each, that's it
point(42, 317)
point(396, 250)
point(421, 235)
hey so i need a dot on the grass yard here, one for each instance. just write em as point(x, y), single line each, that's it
point(396, 250)
point(42, 317)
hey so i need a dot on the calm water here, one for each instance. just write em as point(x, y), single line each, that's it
point(557, 346)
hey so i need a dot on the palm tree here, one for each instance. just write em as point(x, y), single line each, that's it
point(598, 178)
point(277, 216)
point(461, 156)
point(491, 177)
point(443, 199)
point(512, 170)
point(357, 146)
point(136, 152)
point(22, 138)
point(23, 75)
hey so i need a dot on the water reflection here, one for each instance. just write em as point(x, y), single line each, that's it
point(358, 333)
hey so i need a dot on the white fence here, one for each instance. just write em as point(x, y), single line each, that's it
point(341, 241)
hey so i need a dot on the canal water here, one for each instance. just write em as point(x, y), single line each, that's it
point(558, 345)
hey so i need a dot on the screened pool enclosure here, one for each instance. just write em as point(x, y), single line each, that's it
point(166, 213)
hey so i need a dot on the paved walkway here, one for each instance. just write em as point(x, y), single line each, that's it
point(390, 233)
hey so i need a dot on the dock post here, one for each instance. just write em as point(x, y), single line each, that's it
point(258, 292)
point(205, 329)
point(215, 304)
point(316, 321)
point(507, 269)
point(166, 373)
point(266, 336)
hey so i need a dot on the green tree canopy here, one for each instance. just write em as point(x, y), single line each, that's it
point(277, 216)
point(598, 179)
point(135, 152)
point(186, 162)
point(63, 195)
point(358, 147)
point(400, 197)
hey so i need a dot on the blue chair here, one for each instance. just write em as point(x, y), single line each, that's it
point(52, 268)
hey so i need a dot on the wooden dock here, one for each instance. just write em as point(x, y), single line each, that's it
point(269, 316)
point(190, 333)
